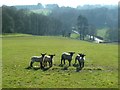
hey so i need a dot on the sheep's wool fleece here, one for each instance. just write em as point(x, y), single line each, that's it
point(47, 56)
point(82, 59)
point(66, 53)
point(36, 56)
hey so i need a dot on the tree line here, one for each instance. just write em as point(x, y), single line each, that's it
point(20, 21)
point(59, 22)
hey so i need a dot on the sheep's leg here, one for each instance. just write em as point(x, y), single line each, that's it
point(51, 63)
point(69, 62)
point(44, 63)
point(61, 61)
point(41, 66)
point(75, 61)
point(64, 61)
point(80, 64)
point(31, 64)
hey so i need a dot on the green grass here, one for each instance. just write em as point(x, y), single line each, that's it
point(100, 71)
point(42, 11)
point(14, 35)
point(0, 62)
point(102, 32)
point(75, 36)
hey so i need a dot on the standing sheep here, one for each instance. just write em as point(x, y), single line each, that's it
point(67, 56)
point(37, 59)
point(77, 57)
point(80, 57)
point(48, 59)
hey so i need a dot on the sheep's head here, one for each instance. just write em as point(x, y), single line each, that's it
point(43, 54)
point(80, 54)
point(51, 55)
point(83, 55)
point(71, 53)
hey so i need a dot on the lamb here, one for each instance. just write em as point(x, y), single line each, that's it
point(67, 56)
point(37, 59)
point(49, 59)
point(80, 57)
point(77, 57)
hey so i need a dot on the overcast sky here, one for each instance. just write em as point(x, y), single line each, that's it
point(72, 3)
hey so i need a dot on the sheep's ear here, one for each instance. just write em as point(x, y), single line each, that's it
point(71, 52)
point(54, 54)
point(84, 55)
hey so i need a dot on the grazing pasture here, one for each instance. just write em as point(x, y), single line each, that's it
point(100, 70)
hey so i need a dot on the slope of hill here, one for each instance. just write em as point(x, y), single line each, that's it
point(42, 11)
point(100, 71)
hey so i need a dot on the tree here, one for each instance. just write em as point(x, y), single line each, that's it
point(92, 32)
point(19, 21)
point(82, 25)
point(8, 23)
point(7, 19)
point(112, 34)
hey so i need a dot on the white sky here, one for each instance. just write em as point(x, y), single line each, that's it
point(72, 3)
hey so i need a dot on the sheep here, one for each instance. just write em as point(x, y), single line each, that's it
point(49, 59)
point(67, 56)
point(80, 57)
point(77, 57)
point(37, 59)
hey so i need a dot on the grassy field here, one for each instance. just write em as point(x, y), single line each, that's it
point(100, 71)
point(14, 35)
point(42, 11)
point(102, 32)
point(0, 62)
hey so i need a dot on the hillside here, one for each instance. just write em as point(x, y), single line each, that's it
point(52, 6)
point(100, 71)
point(55, 20)
point(42, 11)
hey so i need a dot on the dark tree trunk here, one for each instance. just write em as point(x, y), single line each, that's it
point(93, 37)
point(90, 37)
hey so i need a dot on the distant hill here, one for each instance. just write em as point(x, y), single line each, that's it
point(42, 11)
point(53, 6)
point(30, 7)
point(88, 7)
